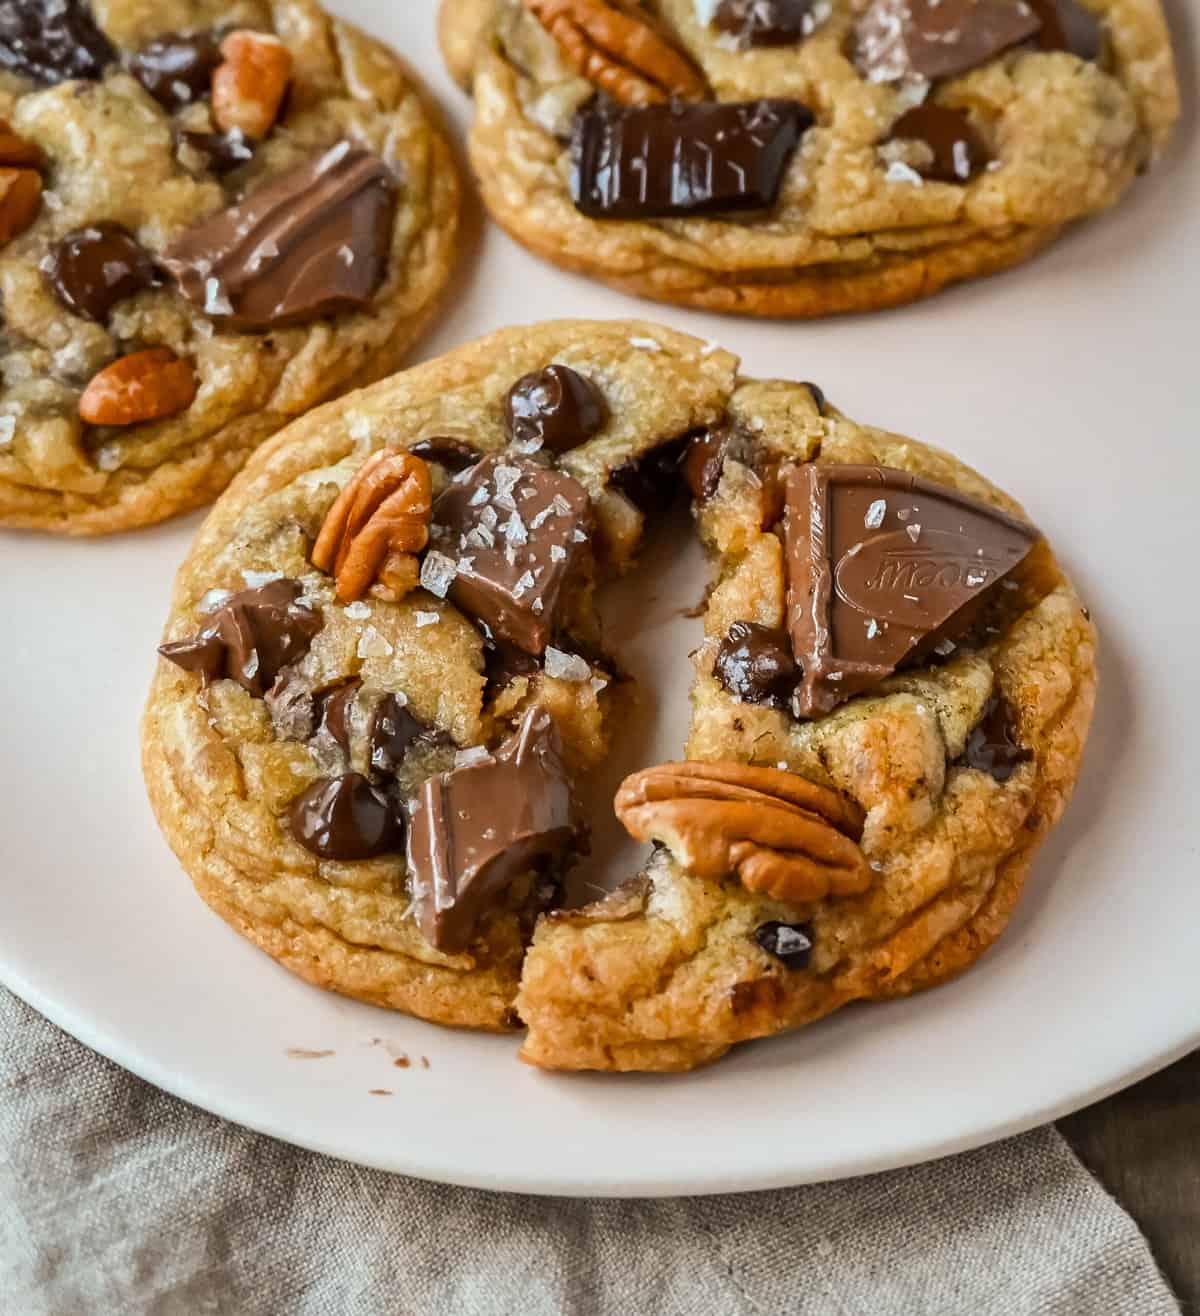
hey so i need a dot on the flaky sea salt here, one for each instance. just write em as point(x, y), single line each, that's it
point(875, 514)
point(899, 172)
point(215, 300)
point(213, 599)
point(427, 618)
point(872, 629)
point(566, 666)
point(464, 758)
point(913, 531)
point(557, 553)
point(646, 344)
point(524, 585)
point(257, 579)
point(372, 645)
point(358, 611)
point(437, 573)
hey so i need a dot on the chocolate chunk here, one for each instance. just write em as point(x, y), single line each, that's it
point(313, 242)
point(652, 482)
point(335, 707)
point(509, 530)
point(394, 731)
point(1067, 25)
point(659, 160)
point(476, 829)
point(790, 943)
point(956, 149)
point(556, 408)
point(705, 461)
point(453, 454)
point(938, 38)
point(94, 268)
point(52, 40)
point(755, 664)
point(765, 22)
point(502, 664)
point(992, 746)
point(177, 69)
point(222, 152)
point(259, 632)
point(884, 567)
point(345, 818)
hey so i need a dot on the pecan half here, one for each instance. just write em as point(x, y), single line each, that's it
point(782, 836)
point(378, 525)
point(615, 47)
point(143, 386)
point(249, 86)
point(17, 152)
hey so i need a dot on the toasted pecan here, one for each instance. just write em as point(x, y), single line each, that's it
point(249, 85)
point(149, 385)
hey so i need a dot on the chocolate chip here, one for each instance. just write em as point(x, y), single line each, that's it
point(1068, 26)
point(292, 706)
point(222, 152)
point(394, 731)
point(652, 482)
point(556, 408)
point(705, 460)
point(755, 664)
point(453, 454)
point(53, 40)
point(345, 818)
point(790, 943)
point(177, 69)
point(899, 39)
point(765, 22)
point(335, 708)
point(503, 664)
point(992, 746)
point(956, 149)
point(94, 268)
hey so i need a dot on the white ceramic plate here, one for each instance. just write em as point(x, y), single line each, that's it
point(1071, 383)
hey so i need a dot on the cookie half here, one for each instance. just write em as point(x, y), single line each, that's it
point(804, 157)
point(216, 216)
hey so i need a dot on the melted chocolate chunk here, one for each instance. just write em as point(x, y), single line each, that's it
point(476, 829)
point(992, 746)
point(899, 39)
point(556, 408)
point(884, 567)
point(502, 664)
point(335, 707)
point(52, 40)
point(652, 482)
point(790, 943)
point(222, 152)
point(755, 664)
point(177, 69)
point(258, 631)
point(658, 160)
point(313, 242)
point(292, 706)
point(94, 268)
point(957, 151)
point(705, 460)
point(345, 818)
point(394, 731)
point(765, 22)
point(453, 454)
point(509, 530)
point(1068, 26)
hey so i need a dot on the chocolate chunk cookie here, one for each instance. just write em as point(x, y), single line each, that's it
point(804, 157)
point(212, 218)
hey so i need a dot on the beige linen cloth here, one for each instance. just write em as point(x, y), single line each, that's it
point(118, 1199)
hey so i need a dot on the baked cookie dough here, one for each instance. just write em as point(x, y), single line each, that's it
point(383, 676)
point(213, 216)
point(803, 157)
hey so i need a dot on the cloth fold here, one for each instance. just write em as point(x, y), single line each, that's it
point(115, 1197)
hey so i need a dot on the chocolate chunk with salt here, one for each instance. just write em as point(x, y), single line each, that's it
point(453, 454)
point(94, 268)
point(346, 818)
point(883, 567)
point(696, 159)
point(52, 40)
point(176, 69)
point(899, 39)
point(507, 533)
point(956, 151)
point(754, 663)
point(250, 637)
point(1067, 25)
point(992, 746)
point(765, 22)
point(313, 242)
point(556, 408)
point(790, 943)
point(476, 829)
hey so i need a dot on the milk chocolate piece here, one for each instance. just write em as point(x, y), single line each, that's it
point(754, 663)
point(313, 242)
point(177, 69)
point(453, 454)
point(765, 22)
point(513, 528)
point(345, 818)
point(883, 567)
point(556, 408)
point(957, 151)
point(992, 746)
point(790, 943)
point(52, 40)
point(658, 160)
point(250, 637)
point(476, 829)
point(94, 268)
point(1067, 25)
point(930, 39)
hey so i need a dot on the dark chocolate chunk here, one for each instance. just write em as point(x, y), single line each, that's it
point(222, 152)
point(957, 152)
point(705, 460)
point(657, 160)
point(755, 664)
point(313, 242)
point(394, 731)
point(790, 943)
point(292, 706)
point(556, 408)
point(508, 531)
point(453, 454)
point(177, 69)
point(94, 268)
point(884, 568)
point(476, 829)
point(899, 39)
point(259, 631)
point(346, 818)
point(653, 481)
point(52, 40)
point(502, 664)
point(1067, 25)
point(765, 22)
point(335, 707)
point(992, 746)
